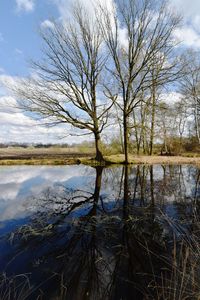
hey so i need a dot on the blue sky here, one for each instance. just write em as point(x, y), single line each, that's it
point(20, 21)
point(19, 38)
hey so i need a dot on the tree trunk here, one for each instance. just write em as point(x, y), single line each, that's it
point(99, 155)
point(126, 188)
point(136, 133)
point(97, 189)
point(197, 121)
point(125, 138)
point(152, 119)
point(120, 130)
point(152, 186)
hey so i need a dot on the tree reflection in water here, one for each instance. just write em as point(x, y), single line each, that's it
point(83, 245)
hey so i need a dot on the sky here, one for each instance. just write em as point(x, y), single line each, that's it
point(20, 22)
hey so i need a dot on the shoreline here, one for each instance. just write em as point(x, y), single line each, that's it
point(87, 160)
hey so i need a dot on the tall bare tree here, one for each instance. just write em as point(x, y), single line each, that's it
point(182, 113)
point(148, 27)
point(164, 70)
point(66, 88)
point(190, 86)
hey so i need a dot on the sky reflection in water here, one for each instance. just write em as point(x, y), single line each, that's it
point(87, 225)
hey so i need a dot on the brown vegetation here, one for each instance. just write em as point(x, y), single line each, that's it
point(68, 156)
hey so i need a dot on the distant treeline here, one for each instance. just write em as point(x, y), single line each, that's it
point(34, 145)
point(85, 144)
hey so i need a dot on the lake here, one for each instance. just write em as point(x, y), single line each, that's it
point(78, 232)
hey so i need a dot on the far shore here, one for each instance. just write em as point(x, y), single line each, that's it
point(77, 158)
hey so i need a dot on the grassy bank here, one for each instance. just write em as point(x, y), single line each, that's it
point(133, 159)
point(42, 156)
point(41, 161)
point(87, 159)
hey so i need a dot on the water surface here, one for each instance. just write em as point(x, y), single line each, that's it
point(78, 232)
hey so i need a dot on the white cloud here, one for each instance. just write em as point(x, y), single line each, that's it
point(47, 24)
point(196, 22)
point(187, 7)
point(16, 126)
point(25, 5)
point(188, 36)
point(171, 98)
point(65, 8)
point(19, 126)
point(64, 5)
point(6, 80)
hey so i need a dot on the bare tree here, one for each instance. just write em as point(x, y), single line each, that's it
point(148, 27)
point(182, 114)
point(67, 88)
point(167, 126)
point(190, 86)
point(141, 125)
point(161, 74)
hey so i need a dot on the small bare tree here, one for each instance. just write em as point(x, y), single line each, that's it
point(67, 88)
point(148, 28)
